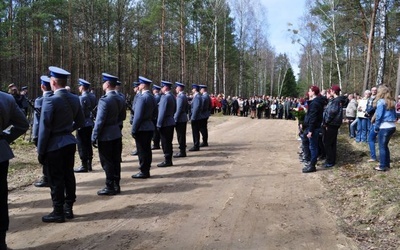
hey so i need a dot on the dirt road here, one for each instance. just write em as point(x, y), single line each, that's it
point(244, 191)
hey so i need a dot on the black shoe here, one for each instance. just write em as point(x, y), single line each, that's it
point(309, 169)
point(54, 217)
point(81, 169)
point(42, 183)
point(134, 153)
point(194, 149)
point(68, 213)
point(203, 144)
point(178, 155)
point(165, 164)
point(106, 191)
point(328, 165)
point(155, 147)
point(141, 175)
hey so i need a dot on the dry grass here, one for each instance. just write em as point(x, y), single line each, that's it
point(366, 202)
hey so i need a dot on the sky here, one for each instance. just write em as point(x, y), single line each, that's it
point(279, 14)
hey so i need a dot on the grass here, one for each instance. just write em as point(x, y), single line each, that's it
point(366, 202)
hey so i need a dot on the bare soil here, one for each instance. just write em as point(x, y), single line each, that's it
point(244, 191)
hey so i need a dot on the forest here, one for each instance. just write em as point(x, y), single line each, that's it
point(223, 44)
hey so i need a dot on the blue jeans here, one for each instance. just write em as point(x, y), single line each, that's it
point(362, 129)
point(384, 136)
point(371, 141)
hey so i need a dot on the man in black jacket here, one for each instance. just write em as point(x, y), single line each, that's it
point(332, 119)
point(311, 127)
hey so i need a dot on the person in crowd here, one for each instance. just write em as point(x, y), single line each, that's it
point(260, 107)
point(372, 135)
point(240, 103)
point(156, 136)
point(385, 124)
point(362, 121)
point(132, 109)
point(195, 118)
point(83, 136)
point(181, 118)
point(107, 135)
point(225, 106)
point(351, 112)
point(398, 108)
point(253, 107)
point(205, 114)
point(280, 109)
point(273, 109)
point(267, 105)
point(332, 120)
point(46, 89)
point(21, 100)
point(235, 106)
point(61, 114)
point(143, 127)
point(311, 128)
point(246, 107)
point(13, 124)
point(166, 122)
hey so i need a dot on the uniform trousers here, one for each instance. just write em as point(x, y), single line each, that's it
point(156, 136)
point(110, 159)
point(180, 128)
point(83, 137)
point(196, 132)
point(143, 145)
point(330, 143)
point(4, 220)
point(204, 129)
point(167, 135)
point(60, 171)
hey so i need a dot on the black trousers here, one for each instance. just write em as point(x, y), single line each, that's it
point(156, 136)
point(167, 135)
point(110, 159)
point(84, 139)
point(4, 219)
point(330, 143)
point(180, 128)
point(204, 129)
point(60, 170)
point(143, 145)
point(196, 132)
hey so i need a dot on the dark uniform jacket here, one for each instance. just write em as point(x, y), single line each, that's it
point(181, 108)
point(166, 110)
point(145, 107)
point(111, 111)
point(196, 107)
point(88, 103)
point(61, 114)
point(10, 114)
point(206, 106)
point(333, 113)
point(36, 115)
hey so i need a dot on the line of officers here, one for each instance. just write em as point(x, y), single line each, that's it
point(154, 117)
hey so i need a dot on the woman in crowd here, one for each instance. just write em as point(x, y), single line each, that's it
point(385, 124)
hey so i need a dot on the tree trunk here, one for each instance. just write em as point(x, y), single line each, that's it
point(382, 42)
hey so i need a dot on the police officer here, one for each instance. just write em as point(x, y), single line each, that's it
point(205, 114)
point(143, 127)
point(137, 94)
point(107, 134)
point(181, 118)
point(118, 90)
point(61, 114)
point(46, 89)
point(88, 104)
point(196, 109)
point(10, 114)
point(166, 122)
point(156, 135)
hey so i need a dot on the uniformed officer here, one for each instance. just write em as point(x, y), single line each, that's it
point(205, 114)
point(156, 135)
point(88, 104)
point(46, 89)
point(143, 127)
point(111, 110)
point(166, 122)
point(137, 93)
point(10, 114)
point(118, 90)
point(61, 114)
point(196, 108)
point(181, 118)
